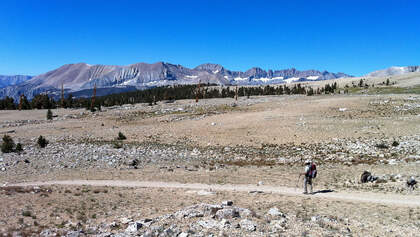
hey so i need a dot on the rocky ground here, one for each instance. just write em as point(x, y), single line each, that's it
point(217, 141)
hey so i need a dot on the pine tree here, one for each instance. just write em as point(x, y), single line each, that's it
point(49, 114)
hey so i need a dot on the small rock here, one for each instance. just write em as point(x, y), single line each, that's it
point(134, 227)
point(275, 212)
point(125, 220)
point(248, 225)
point(208, 224)
point(227, 203)
point(227, 213)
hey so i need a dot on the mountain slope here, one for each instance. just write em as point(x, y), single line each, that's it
point(392, 71)
point(12, 80)
point(82, 77)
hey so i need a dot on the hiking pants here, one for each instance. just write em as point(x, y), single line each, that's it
point(307, 180)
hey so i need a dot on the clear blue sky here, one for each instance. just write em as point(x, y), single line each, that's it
point(354, 37)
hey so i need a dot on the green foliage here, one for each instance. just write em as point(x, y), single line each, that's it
point(42, 101)
point(8, 144)
point(19, 147)
point(395, 143)
point(310, 92)
point(49, 115)
point(7, 104)
point(26, 213)
point(25, 105)
point(42, 142)
point(153, 95)
point(117, 145)
point(382, 146)
point(361, 83)
point(121, 136)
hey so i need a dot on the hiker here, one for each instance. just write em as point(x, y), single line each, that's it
point(310, 173)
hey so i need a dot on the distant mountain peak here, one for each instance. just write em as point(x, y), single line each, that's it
point(394, 70)
point(82, 76)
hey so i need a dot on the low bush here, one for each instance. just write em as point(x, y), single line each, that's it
point(8, 144)
point(42, 142)
point(395, 143)
point(121, 136)
point(19, 147)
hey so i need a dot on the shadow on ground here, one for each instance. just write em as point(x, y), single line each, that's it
point(324, 191)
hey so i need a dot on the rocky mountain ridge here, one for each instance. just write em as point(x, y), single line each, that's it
point(82, 76)
point(13, 80)
point(392, 71)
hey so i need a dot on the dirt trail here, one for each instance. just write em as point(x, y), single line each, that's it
point(378, 198)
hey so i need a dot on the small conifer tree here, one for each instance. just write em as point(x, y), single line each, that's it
point(19, 148)
point(42, 142)
point(49, 115)
point(121, 136)
point(8, 144)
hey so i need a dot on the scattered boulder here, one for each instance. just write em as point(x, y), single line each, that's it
point(367, 177)
point(227, 213)
point(274, 212)
point(411, 183)
point(248, 225)
point(134, 227)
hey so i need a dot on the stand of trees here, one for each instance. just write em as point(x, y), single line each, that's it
point(153, 95)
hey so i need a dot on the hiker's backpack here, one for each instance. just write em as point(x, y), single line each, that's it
point(312, 171)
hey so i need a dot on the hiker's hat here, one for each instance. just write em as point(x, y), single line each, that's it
point(307, 162)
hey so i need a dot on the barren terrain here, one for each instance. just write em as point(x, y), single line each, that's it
point(259, 143)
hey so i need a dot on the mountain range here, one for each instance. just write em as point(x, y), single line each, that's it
point(393, 71)
point(12, 80)
point(80, 78)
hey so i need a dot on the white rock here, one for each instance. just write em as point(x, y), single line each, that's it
point(125, 220)
point(275, 212)
point(208, 224)
point(248, 225)
point(133, 227)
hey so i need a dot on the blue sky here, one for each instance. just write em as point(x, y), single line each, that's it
point(354, 37)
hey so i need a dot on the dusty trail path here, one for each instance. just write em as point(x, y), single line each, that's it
point(378, 198)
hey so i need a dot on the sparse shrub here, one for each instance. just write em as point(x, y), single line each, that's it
point(42, 142)
point(19, 147)
point(49, 115)
point(117, 145)
point(121, 136)
point(382, 146)
point(26, 213)
point(395, 143)
point(8, 144)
